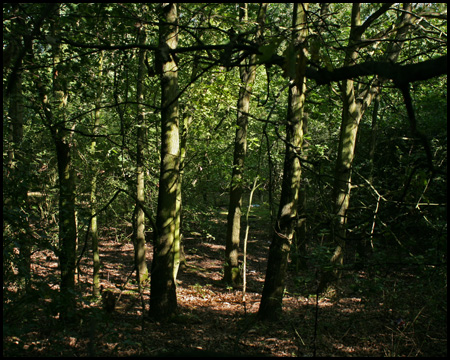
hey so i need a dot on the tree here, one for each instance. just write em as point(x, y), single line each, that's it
point(54, 104)
point(247, 75)
point(93, 198)
point(163, 301)
point(139, 216)
point(352, 112)
point(351, 116)
point(17, 160)
point(274, 284)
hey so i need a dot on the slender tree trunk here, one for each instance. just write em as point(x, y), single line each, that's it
point(272, 296)
point(16, 125)
point(139, 236)
point(300, 229)
point(18, 162)
point(232, 273)
point(67, 224)
point(351, 116)
point(66, 174)
point(94, 237)
point(314, 41)
point(352, 113)
point(93, 228)
point(163, 300)
point(178, 248)
point(373, 135)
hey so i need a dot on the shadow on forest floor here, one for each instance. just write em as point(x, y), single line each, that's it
point(351, 321)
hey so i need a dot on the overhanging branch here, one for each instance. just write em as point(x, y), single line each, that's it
point(400, 74)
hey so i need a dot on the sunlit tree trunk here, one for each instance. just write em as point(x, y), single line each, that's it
point(93, 228)
point(163, 300)
point(139, 236)
point(300, 233)
point(232, 273)
point(178, 248)
point(355, 102)
point(272, 296)
point(300, 239)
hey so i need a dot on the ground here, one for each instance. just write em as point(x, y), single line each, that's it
point(213, 319)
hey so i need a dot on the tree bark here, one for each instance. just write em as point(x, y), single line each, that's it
point(300, 233)
point(93, 228)
point(67, 224)
point(53, 105)
point(272, 296)
point(352, 113)
point(18, 161)
point(66, 174)
point(163, 300)
point(139, 236)
point(178, 248)
point(232, 274)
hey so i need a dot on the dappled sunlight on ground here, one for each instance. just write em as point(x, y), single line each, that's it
point(212, 316)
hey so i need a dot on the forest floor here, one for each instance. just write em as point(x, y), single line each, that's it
point(213, 318)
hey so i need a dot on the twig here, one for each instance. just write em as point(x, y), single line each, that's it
point(315, 321)
point(244, 285)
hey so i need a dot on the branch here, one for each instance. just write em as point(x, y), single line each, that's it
point(180, 50)
point(107, 46)
point(360, 29)
point(400, 74)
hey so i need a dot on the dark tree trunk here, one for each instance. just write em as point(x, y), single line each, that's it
point(272, 296)
point(67, 226)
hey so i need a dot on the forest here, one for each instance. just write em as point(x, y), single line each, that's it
point(224, 179)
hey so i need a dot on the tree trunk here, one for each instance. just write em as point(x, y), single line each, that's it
point(139, 236)
point(93, 228)
point(300, 234)
point(272, 296)
point(178, 248)
point(18, 162)
point(352, 113)
point(163, 300)
point(232, 273)
point(66, 174)
point(67, 225)
point(373, 135)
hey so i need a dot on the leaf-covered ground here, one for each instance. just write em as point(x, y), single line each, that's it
point(370, 314)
